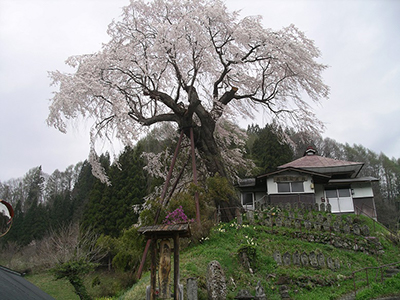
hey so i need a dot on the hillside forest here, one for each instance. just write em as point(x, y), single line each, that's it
point(46, 205)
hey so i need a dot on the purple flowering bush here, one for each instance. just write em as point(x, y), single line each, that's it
point(177, 216)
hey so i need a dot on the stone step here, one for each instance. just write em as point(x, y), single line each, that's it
point(391, 272)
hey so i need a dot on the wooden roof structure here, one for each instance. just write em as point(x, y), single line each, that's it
point(166, 230)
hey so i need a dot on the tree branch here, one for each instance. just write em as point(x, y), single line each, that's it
point(166, 99)
point(218, 106)
point(155, 119)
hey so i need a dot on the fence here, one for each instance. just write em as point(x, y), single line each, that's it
point(379, 274)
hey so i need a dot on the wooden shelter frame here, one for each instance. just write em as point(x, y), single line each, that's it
point(156, 232)
point(163, 194)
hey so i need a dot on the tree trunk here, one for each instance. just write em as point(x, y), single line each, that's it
point(205, 143)
point(80, 289)
point(208, 150)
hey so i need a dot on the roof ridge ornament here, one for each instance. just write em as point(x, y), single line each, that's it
point(310, 151)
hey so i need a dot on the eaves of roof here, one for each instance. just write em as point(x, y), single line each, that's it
point(354, 180)
point(295, 170)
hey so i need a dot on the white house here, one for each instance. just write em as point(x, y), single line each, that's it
point(313, 179)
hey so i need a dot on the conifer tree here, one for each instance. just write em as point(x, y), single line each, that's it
point(268, 151)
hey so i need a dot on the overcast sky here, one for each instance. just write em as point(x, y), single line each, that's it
point(359, 40)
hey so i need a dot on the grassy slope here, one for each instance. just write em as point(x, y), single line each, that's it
point(58, 289)
point(223, 245)
point(304, 282)
point(109, 283)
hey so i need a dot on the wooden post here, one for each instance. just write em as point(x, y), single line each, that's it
point(196, 196)
point(176, 266)
point(164, 269)
point(153, 270)
point(175, 232)
point(146, 249)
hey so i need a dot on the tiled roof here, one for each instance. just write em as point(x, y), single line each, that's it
point(316, 161)
point(14, 286)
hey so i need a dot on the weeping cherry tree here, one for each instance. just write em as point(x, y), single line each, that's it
point(191, 63)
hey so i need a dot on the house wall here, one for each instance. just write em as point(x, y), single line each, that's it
point(365, 206)
point(362, 190)
point(305, 197)
point(292, 198)
point(362, 197)
point(272, 187)
point(259, 198)
point(319, 193)
point(267, 193)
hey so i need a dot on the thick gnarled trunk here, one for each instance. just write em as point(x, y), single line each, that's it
point(205, 143)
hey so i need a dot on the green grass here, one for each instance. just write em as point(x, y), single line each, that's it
point(304, 282)
point(107, 285)
point(223, 244)
point(58, 289)
point(391, 287)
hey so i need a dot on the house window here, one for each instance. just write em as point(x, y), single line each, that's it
point(297, 187)
point(290, 187)
point(247, 199)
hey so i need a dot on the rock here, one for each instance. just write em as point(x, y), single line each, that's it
point(356, 229)
point(330, 263)
point(268, 221)
point(239, 218)
point(191, 289)
point(286, 259)
point(346, 228)
point(284, 291)
point(336, 226)
point(320, 218)
point(297, 224)
point(288, 222)
point(317, 226)
point(296, 258)
point(260, 293)
point(283, 280)
point(326, 225)
point(304, 259)
point(250, 216)
point(278, 258)
point(328, 208)
point(244, 294)
point(321, 260)
point(329, 217)
point(216, 281)
point(337, 263)
point(307, 224)
point(313, 259)
point(365, 230)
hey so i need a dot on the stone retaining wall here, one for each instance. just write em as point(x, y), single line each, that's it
point(315, 226)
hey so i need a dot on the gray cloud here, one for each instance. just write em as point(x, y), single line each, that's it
point(359, 40)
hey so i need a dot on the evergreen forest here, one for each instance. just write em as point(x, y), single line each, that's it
point(97, 220)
